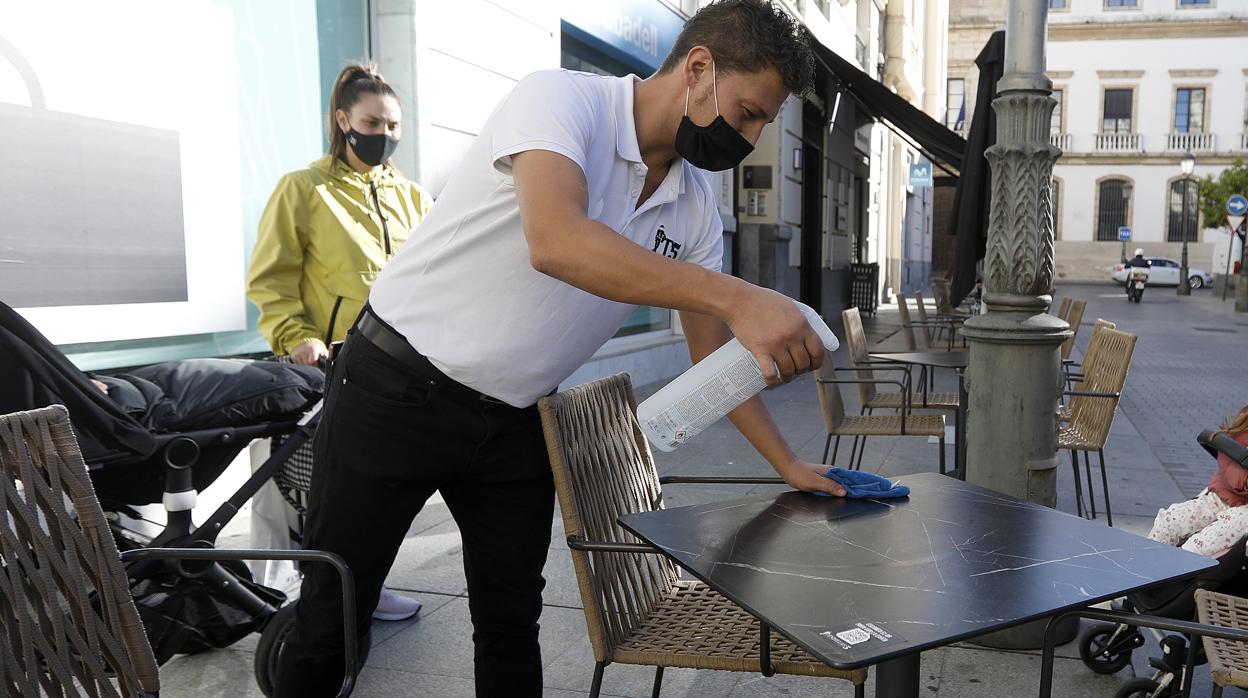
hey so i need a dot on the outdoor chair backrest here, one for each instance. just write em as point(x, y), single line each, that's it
point(940, 294)
point(68, 623)
point(1063, 309)
point(907, 329)
point(1090, 356)
point(929, 339)
point(830, 400)
point(1074, 318)
point(856, 339)
point(603, 469)
point(1091, 417)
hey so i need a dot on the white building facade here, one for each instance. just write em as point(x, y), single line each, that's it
point(1139, 84)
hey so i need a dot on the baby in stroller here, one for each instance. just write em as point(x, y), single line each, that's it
point(1214, 523)
point(1214, 520)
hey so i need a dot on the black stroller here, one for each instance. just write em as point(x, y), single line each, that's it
point(160, 434)
point(1106, 647)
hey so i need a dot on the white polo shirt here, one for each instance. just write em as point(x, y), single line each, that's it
point(463, 292)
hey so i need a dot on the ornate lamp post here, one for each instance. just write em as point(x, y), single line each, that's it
point(1188, 163)
point(1015, 379)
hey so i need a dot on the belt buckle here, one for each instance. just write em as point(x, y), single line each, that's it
point(491, 400)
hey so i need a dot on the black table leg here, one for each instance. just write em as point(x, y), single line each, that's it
point(898, 678)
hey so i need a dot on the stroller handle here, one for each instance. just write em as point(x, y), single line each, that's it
point(1222, 443)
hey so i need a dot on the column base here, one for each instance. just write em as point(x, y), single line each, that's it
point(1028, 636)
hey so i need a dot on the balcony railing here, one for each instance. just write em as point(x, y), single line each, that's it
point(1119, 142)
point(1060, 140)
point(1191, 142)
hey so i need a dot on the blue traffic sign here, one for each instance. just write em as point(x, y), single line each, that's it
point(1237, 205)
point(1124, 234)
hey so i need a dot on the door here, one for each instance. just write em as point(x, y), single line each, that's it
point(1163, 271)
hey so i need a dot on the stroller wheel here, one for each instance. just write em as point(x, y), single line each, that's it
point(1106, 647)
point(273, 638)
point(1144, 688)
point(270, 647)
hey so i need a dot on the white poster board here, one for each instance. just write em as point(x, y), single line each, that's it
point(123, 218)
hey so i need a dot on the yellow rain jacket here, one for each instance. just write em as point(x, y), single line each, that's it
point(321, 244)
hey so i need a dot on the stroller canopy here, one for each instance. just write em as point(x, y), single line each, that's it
point(142, 405)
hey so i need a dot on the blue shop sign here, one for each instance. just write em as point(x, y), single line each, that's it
point(921, 174)
point(634, 31)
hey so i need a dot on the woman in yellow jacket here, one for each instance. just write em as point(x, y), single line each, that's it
point(328, 230)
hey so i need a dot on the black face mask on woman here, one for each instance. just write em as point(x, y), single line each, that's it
point(372, 149)
point(715, 147)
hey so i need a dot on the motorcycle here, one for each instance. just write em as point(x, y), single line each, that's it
point(1136, 280)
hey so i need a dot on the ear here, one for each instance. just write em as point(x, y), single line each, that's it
point(341, 117)
point(697, 65)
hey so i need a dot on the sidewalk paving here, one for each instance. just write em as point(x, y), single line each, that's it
point(1182, 380)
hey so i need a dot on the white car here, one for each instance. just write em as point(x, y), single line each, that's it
point(1165, 272)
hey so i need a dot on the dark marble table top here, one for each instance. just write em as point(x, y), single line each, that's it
point(858, 581)
point(940, 359)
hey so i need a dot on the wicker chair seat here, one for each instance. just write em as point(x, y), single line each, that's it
point(890, 425)
point(1071, 436)
point(1228, 660)
point(896, 400)
point(694, 627)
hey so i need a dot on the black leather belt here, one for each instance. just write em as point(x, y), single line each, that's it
point(396, 346)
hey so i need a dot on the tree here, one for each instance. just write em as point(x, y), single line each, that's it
point(1215, 192)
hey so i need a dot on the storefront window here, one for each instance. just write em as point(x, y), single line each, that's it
point(224, 116)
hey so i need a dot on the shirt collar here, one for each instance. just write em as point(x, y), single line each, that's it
point(626, 133)
point(625, 126)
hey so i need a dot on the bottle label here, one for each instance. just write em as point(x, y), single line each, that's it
point(712, 388)
point(708, 401)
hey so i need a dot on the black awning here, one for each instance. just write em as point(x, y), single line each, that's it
point(931, 138)
point(972, 202)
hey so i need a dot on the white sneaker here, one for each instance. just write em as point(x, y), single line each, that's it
point(392, 606)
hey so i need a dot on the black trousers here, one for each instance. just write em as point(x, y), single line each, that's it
point(390, 435)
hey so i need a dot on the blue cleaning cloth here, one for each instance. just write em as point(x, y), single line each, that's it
point(860, 485)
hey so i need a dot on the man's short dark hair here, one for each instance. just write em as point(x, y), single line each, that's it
point(746, 36)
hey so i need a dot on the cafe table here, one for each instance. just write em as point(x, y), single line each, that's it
point(957, 360)
point(875, 582)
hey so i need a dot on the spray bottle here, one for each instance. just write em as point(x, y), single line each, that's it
point(712, 388)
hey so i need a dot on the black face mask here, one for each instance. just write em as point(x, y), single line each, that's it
point(372, 149)
point(716, 147)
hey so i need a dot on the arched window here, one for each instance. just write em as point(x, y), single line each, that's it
point(1174, 231)
point(1113, 207)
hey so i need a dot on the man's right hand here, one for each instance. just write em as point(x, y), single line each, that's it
point(309, 353)
point(771, 327)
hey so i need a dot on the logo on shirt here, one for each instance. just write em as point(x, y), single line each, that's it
point(665, 247)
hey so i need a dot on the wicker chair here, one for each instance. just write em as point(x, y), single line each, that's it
point(933, 329)
point(839, 424)
point(942, 297)
point(865, 368)
point(1074, 317)
point(1228, 660)
point(1075, 370)
point(907, 328)
point(1063, 309)
point(637, 608)
point(1092, 409)
point(68, 624)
